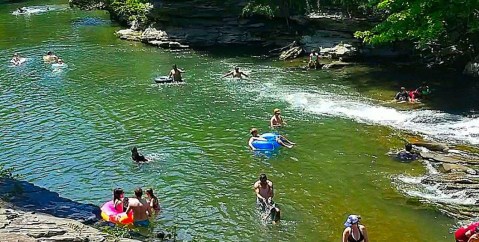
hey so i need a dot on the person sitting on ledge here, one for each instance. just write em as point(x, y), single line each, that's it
point(402, 96)
point(314, 60)
point(135, 156)
point(407, 154)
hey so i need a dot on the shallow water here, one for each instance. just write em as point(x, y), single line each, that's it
point(71, 131)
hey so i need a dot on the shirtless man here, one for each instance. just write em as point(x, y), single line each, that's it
point(236, 73)
point(141, 209)
point(280, 139)
point(264, 197)
point(176, 74)
point(276, 121)
point(50, 57)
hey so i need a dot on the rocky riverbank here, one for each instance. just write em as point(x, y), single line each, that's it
point(451, 183)
point(31, 213)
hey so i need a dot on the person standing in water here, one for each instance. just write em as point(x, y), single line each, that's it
point(314, 60)
point(153, 200)
point(276, 121)
point(264, 198)
point(354, 232)
point(280, 139)
point(141, 209)
point(176, 74)
point(236, 73)
point(118, 195)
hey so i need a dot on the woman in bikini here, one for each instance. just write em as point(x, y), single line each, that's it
point(354, 232)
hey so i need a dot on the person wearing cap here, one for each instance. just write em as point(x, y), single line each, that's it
point(466, 232)
point(264, 198)
point(280, 139)
point(276, 121)
point(236, 73)
point(354, 232)
point(403, 95)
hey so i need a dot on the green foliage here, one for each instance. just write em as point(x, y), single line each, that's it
point(116, 232)
point(425, 22)
point(132, 9)
point(254, 9)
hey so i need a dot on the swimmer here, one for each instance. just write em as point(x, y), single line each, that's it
point(176, 74)
point(264, 198)
point(236, 73)
point(280, 139)
point(16, 60)
point(407, 154)
point(153, 200)
point(135, 156)
point(50, 57)
point(22, 10)
point(141, 209)
point(276, 121)
point(354, 232)
point(402, 96)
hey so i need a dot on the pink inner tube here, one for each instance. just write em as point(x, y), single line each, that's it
point(109, 213)
point(109, 209)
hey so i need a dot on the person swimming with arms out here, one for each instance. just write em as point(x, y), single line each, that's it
point(276, 121)
point(175, 73)
point(141, 209)
point(136, 156)
point(236, 73)
point(280, 139)
point(264, 198)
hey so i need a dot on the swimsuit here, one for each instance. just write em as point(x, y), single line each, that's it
point(142, 223)
point(351, 239)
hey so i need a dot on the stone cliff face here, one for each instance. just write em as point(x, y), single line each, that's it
point(215, 23)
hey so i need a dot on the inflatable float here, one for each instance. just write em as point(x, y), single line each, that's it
point(269, 144)
point(164, 79)
point(110, 214)
point(32, 10)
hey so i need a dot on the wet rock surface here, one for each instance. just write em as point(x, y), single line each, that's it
point(452, 182)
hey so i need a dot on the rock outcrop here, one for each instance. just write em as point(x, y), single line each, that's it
point(16, 225)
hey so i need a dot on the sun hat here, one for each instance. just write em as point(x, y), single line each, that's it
point(276, 110)
point(352, 219)
point(253, 130)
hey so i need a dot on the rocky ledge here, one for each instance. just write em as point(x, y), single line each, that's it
point(452, 181)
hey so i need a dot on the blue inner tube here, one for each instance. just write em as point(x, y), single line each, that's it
point(268, 144)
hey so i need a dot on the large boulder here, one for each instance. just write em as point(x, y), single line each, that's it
point(129, 34)
point(340, 51)
point(292, 53)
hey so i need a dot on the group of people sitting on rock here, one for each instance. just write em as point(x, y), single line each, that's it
point(414, 95)
point(142, 208)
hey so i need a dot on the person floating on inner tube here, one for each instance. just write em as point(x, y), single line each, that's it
point(280, 139)
point(236, 73)
point(467, 232)
point(354, 232)
point(402, 96)
point(176, 74)
point(276, 121)
point(264, 198)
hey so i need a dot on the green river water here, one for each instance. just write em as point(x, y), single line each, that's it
point(72, 131)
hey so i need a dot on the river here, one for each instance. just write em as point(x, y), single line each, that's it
point(72, 131)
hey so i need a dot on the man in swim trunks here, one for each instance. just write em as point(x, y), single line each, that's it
point(236, 73)
point(264, 197)
point(176, 74)
point(464, 233)
point(280, 139)
point(276, 121)
point(141, 209)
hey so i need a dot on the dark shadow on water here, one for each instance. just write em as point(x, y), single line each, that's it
point(452, 92)
point(28, 197)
